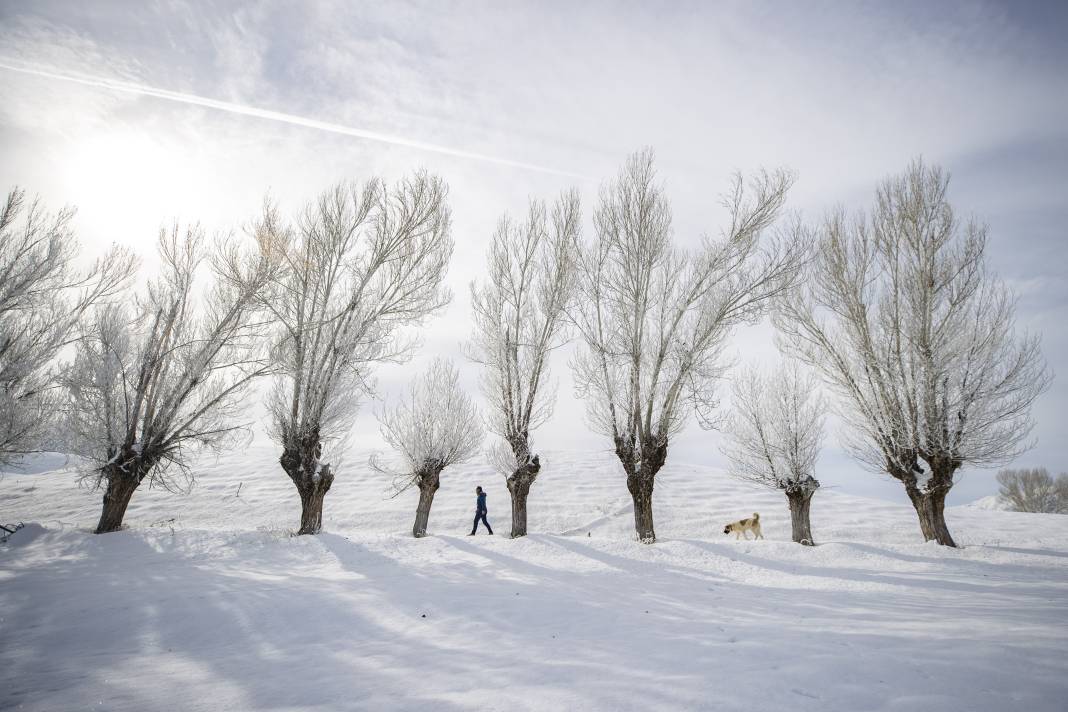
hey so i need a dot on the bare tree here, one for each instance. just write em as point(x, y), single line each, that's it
point(153, 382)
point(775, 431)
point(654, 318)
point(519, 320)
point(361, 263)
point(43, 295)
point(436, 426)
point(902, 318)
point(1034, 490)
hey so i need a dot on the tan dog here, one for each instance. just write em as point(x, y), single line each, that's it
point(743, 526)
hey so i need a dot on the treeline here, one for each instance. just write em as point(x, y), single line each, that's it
point(891, 317)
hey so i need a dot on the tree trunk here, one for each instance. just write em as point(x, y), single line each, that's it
point(120, 489)
point(641, 473)
point(799, 521)
point(928, 496)
point(519, 487)
point(428, 485)
point(930, 505)
point(641, 491)
point(300, 461)
point(312, 494)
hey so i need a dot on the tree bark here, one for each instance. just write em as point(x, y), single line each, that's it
point(429, 482)
point(929, 496)
point(519, 487)
point(801, 527)
point(312, 494)
point(640, 477)
point(930, 506)
point(312, 480)
point(128, 467)
point(121, 487)
point(641, 491)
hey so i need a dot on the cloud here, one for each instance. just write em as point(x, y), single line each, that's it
point(211, 107)
point(266, 114)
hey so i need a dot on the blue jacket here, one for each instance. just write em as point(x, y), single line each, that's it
point(481, 507)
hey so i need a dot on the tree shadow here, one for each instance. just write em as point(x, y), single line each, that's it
point(1030, 552)
point(258, 633)
point(925, 580)
point(148, 620)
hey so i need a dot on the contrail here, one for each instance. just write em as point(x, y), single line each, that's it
point(193, 99)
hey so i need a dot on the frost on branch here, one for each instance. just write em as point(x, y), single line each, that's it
point(360, 264)
point(654, 318)
point(901, 316)
point(43, 296)
point(436, 425)
point(519, 314)
point(156, 379)
point(774, 432)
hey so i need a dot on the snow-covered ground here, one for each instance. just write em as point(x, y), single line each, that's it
point(206, 602)
point(992, 502)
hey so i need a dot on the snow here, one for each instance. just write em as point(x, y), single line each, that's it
point(206, 603)
point(991, 502)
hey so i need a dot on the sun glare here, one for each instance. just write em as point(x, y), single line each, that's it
point(126, 185)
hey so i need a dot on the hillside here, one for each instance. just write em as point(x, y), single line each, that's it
point(206, 603)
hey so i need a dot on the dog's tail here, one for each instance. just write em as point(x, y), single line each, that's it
point(756, 517)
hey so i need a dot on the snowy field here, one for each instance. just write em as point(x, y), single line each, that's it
point(206, 602)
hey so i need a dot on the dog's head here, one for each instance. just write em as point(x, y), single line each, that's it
point(727, 529)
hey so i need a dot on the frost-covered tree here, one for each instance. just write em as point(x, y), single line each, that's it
point(654, 317)
point(43, 295)
point(902, 318)
point(1034, 490)
point(434, 427)
point(155, 380)
point(361, 263)
point(774, 433)
point(519, 321)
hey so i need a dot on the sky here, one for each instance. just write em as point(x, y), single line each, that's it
point(140, 114)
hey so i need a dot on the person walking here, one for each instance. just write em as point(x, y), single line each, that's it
point(480, 512)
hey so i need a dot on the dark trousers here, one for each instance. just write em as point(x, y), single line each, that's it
point(481, 517)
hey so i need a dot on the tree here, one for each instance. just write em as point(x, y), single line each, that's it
point(519, 317)
point(654, 318)
point(43, 295)
point(360, 264)
point(904, 321)
point(1034, 490)
point(436, 426)
point(153, 382)
point(775, 431)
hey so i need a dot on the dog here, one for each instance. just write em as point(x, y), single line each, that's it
point(742, 527)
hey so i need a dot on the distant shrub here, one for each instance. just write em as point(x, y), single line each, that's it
point(1034, 490)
